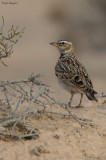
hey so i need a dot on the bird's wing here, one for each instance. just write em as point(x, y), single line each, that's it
point(73, 73)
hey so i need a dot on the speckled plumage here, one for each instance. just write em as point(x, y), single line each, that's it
point(71, 74)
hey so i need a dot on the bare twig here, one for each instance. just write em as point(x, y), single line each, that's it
point(18, 104)
point(19, 136)
point(7, 100)
point(40, 92)
point(8, 41)
point(25, 80)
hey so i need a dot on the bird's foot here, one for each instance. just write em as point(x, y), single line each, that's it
point(79, 106)
point(69, 104)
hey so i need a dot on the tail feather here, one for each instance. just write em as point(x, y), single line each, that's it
point(91, 95)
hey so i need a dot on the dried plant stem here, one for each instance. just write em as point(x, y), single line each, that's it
point(19, 136)
point(40, 92)
point(7, 41)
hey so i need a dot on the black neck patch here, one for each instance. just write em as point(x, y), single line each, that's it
point(61, 56)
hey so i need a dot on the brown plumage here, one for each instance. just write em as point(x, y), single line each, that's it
point(71, 74)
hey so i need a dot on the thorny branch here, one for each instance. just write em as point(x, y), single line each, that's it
point(7, 41)
point(25, 99)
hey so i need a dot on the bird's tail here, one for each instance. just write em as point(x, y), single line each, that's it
point(91, 95)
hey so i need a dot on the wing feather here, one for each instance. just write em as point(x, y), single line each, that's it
point(72, 72)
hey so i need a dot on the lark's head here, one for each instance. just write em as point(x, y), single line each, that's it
point(63, 46)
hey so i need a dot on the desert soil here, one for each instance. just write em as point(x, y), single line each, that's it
point(63, 138)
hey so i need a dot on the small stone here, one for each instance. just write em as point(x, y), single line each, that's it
point(57, 136)
point(38, 150)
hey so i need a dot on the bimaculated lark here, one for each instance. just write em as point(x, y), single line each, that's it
point(71, 74)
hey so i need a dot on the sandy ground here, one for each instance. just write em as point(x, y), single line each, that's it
point(63, 138)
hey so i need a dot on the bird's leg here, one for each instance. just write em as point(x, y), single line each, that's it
point(69, 103)
point(80, 101)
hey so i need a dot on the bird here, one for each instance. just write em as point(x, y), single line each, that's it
point(71, 74)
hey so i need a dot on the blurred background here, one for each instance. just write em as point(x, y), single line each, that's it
point(83, 22)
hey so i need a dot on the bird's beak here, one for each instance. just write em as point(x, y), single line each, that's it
point(54, 44)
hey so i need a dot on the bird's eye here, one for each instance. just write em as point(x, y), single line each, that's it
point(62, 43)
